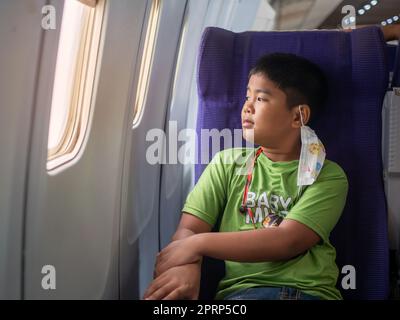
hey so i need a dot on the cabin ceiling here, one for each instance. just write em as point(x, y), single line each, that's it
point(326, 14)
point(383, 10)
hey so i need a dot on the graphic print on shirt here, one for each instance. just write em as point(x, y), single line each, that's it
point(268, 209)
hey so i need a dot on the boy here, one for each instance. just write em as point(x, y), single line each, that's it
point(274, 236)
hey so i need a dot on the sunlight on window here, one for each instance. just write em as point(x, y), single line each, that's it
point(74, 79)
point(146, 62)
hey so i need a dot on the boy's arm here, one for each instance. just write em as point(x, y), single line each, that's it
point(288, 240)
point(189, 225)
point(284, 242)
point(181, 282)
point(205, 202)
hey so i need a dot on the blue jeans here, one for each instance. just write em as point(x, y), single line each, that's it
point(270, 293)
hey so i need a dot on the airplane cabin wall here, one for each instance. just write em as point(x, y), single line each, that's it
point(73, 217)
point(20, 36)
point(70, 220)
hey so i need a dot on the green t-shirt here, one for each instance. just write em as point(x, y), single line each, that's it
point(273, 196)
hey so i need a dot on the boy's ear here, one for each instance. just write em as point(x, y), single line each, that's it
point(305, 112)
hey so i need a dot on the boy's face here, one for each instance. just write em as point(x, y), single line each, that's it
point(265, 114)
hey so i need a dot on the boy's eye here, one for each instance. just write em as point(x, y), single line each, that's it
point(247, 98)
point(261, 99)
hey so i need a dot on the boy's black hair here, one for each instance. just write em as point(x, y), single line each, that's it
point(302, 81)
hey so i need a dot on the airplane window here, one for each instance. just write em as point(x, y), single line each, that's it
point(74, 79)
point(146, 61)
point(91, 3)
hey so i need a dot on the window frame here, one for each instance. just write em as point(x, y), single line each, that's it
point(81, 107)
point(146, 61)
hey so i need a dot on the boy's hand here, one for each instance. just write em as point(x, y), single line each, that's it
point(177, 253)
point(182, 282)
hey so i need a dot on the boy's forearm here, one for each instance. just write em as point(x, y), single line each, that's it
point(179, 234)
point(182, 233)
point(245, 246)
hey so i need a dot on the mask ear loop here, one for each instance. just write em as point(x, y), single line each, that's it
point(300, 188)
point(301, 116)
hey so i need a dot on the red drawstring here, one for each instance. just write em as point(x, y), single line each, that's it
point(246, 188)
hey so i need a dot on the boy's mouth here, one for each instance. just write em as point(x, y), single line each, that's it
point(246, 123)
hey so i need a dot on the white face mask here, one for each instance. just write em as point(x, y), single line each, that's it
point(312, 156)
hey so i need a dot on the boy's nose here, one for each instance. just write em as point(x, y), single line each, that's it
point(248, 107)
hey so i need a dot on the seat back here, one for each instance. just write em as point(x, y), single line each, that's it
point(393, 52)
point(355, 64)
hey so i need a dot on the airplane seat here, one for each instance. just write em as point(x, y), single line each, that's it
point(356, 67)
point(393, 52)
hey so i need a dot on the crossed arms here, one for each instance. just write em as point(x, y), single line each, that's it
point(178, 266)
